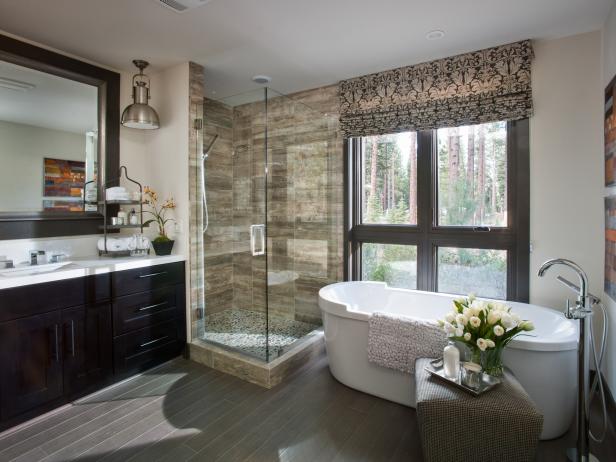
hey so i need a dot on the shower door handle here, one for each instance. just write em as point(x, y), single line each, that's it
point(257, 239)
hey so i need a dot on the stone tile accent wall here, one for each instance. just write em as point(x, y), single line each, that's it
point(219, 186)
point(304, 208)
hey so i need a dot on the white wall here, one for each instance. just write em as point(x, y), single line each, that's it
point(608, 72)
point(22, 150)
point(159, 158)
point(566, 169)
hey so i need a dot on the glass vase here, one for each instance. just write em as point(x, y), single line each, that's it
point(492, 362)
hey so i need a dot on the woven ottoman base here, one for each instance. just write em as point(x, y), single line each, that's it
point(501, 425)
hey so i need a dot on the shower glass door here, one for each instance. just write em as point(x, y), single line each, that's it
point(235, 242)
point(300, 209)
point(273, 216)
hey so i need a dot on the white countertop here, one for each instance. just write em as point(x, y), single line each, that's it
point(80, 267)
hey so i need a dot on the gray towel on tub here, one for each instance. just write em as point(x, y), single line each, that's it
point(397, 341)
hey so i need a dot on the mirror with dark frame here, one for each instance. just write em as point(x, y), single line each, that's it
point(59, 141)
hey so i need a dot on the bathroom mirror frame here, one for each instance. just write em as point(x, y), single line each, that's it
point(21, 225)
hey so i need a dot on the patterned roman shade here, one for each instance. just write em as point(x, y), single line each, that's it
point(482, 86)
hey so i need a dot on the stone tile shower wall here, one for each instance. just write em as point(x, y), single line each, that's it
point(304, 214)
point(218, 240)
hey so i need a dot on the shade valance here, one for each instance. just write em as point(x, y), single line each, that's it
point(482, 86)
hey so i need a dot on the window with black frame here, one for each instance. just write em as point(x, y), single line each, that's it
point(442, 210)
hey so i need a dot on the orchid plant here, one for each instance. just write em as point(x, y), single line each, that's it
point(486, 328)
point(159, 212)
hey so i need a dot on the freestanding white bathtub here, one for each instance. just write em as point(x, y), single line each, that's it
point(545, 364)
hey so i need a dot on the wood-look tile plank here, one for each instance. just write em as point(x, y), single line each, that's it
point(190, 412)
point(84, 423)
point(171, 430)
point(261, 400)
point(127, 430)
point(240, 441)
point(115, 392)
point(91, 433)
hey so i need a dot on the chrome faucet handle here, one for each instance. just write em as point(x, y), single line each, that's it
point(35, 255)
point(568, 314)
point(56, 257)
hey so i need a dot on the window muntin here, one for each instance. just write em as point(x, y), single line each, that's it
point(472, 175)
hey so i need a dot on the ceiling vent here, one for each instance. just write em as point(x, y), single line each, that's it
point(180, 6)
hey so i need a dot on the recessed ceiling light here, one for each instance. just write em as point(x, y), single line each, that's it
point(435, 34)
point(262, 79)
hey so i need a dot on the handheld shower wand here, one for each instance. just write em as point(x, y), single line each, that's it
point(581, 311)
point(204, 156)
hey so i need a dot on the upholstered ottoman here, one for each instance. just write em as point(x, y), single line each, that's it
point(501, 425)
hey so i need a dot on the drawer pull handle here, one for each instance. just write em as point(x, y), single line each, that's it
point(73, 338)
point(57, 345)
point(151, 275)
point(150, 307)
point(153, 341)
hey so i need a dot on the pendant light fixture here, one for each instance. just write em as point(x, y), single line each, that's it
point(140, 114)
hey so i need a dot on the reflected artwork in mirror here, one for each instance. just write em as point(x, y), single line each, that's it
point(48, 142)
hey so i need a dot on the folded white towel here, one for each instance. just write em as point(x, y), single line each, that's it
point(396, 342)
point(114, 244)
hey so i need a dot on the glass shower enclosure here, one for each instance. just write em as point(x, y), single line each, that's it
point(266, 174)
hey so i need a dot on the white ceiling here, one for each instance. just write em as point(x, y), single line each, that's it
point(300, 44)
point(54, 102)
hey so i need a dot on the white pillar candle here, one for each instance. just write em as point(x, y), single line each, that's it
point(451, 361)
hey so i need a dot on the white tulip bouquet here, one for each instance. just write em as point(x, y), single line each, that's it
point(486, 328)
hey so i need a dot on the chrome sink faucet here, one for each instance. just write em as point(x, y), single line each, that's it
point(37, 257)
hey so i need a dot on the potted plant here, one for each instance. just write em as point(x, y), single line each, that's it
point(485, 328)
point(162, 244)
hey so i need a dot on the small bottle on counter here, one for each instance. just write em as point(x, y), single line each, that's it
point(122, 218)
point(451, 361)
point(133, 219)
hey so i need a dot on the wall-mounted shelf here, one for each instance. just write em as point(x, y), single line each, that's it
point(109, 227)
point(120, 202)
point(123, 227)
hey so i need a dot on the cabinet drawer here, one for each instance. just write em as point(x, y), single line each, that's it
point(33, 299)
point(148, 278)
point(145, 348)
point(144, 309)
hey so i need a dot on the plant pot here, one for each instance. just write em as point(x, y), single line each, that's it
point(163, 247)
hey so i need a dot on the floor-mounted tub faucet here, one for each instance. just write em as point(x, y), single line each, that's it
point(581, 311)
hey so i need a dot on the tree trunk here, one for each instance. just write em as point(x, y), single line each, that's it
point(481, 177)
point(495, 179)
point(413, 179)
point(454, 161)
point(373, 158)
point(470, 164)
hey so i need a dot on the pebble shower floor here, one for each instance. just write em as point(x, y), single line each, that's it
point(244, 330)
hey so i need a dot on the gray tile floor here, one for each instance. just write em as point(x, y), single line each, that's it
point(245, 330)
point(185, 411)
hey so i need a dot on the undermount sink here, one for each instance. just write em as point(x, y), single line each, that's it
point(31, 270)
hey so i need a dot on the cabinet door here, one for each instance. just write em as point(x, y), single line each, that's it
point(31, 362)
point(88, 359)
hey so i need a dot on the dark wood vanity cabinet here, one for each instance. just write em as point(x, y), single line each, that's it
point(31, 363)
point(78, 335)
point(86, 348)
